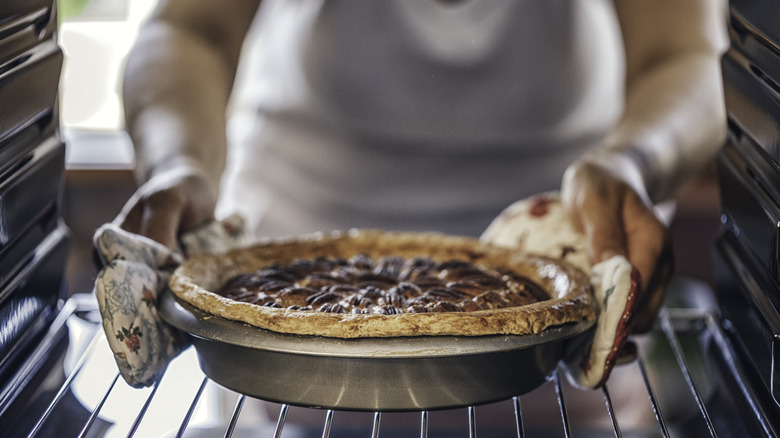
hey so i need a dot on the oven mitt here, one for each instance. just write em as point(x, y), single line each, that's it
point(135, 270)
point(540, 225)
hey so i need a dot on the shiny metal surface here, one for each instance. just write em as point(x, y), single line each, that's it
point(748, 211)
point(686, 363)
point(29, 300)
point(387, 374)
point(29, 83)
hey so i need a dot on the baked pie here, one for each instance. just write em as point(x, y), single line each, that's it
point(368, 283)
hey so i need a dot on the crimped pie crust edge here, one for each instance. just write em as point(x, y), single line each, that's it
point(572, 298)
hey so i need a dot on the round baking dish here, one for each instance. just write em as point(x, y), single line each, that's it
point(570, 293)
point(370, 374)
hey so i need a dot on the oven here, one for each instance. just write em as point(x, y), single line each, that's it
point(33, 240)
point(688, 379)
point(710, 367)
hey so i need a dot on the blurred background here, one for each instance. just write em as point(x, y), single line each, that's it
point(96, 36)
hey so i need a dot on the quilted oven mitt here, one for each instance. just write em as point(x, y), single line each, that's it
point(135, 270)
point(540, 225)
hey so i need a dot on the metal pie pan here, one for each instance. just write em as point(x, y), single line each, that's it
point(369, 374)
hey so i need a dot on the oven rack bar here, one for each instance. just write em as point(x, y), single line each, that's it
point(666, 326)
point(652, 398)
point(674, 323)
point(37, 357)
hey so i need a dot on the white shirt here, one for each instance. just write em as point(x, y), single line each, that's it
point(415, 114)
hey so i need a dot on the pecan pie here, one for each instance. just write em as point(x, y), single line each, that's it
point(367, 283)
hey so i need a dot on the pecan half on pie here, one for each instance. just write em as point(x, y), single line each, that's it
point(367, 283)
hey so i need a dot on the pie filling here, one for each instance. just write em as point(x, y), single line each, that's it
point(386, 285)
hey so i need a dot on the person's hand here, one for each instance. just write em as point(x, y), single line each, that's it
point(617, 220)
point(174, 201)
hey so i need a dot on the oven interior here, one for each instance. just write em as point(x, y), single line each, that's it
point(688, 379)
point(708, 368)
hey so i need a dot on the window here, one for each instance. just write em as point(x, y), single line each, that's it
point(95, 36)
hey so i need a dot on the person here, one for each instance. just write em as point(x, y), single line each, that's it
point(425, 115)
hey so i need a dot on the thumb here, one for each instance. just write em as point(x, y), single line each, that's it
point(602, 225)
point(594, 199)
point(161, 221)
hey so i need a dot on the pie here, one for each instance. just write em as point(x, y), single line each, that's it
point(370, 283)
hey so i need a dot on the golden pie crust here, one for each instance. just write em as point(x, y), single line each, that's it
point(571, 298)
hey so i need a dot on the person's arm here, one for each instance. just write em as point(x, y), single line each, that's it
point(177, 83)
point(674, 120)
point(672, 126)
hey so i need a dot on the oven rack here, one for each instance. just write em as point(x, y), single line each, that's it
point(719, 398)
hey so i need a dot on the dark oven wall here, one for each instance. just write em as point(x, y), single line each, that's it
point(33, 239)
point(747, 255)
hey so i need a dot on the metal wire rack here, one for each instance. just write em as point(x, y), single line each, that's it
point(685, 381)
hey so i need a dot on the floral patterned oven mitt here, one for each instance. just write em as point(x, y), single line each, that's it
point(540, 225)
point(135, 270)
